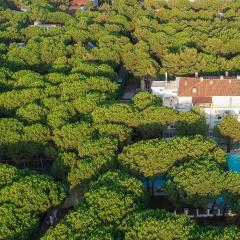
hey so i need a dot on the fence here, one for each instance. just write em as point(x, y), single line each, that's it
point(206, 213)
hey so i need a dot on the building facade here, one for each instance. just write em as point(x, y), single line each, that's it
point(217, 97)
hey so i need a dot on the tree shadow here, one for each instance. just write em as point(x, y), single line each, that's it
point(31, 155)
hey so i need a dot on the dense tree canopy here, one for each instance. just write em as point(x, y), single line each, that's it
point(187, 183)
point(58, 92)
point(24, 197)
point(149, 118)
point(229, 128)
point(158, 224)
point(104, 209)
point(155, 157)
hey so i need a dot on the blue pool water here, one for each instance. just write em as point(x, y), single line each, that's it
point(233, 160)
point(220, 200)
point(158, 182)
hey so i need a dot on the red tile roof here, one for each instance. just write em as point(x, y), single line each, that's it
point(79, 2)
point(75, 5)
point(196, 87)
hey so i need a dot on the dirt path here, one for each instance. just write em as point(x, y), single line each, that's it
point(129, 90)
point(73, 197)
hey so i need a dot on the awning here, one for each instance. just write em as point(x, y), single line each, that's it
point(201, 100)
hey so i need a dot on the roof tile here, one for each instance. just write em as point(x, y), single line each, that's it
point(195, 87)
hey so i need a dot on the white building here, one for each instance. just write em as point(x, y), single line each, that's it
point(39, 23)
point(216, 96)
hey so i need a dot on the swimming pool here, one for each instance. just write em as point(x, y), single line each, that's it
point(156, 184)
point(233, 161)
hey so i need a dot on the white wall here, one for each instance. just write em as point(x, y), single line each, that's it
point(221, 105)
point(162, 91)
point(158, 91)
point(168, 89)
point(172, 92)
point(236, 101)
point(187, 100)
point(212, 114)
point(221, 101)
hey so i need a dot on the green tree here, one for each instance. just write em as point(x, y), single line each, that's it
point(14, 99)
point(80, 224)
point(187, 183)
point(36, 194)
point(16, 223)
point(215, 233)
point(191, 123)
point(122, 133)
point(229, 129)
point(32, 113)
point(158, 224)
point(71, 135)
point(143, 100)
point(231, 189)
point(152, 158)
point(187, 61)
point(8, 174)
point(101, 146)
point(89, 168)
point(24, 197)
point(116, 113)
point(104, 209)
point(154, 120)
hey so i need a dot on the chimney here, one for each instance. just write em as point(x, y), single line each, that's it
point(166, 76)
point(194, 90)
point(221, 77)
point(226, 74)
point(196, 74)
point(211, 82)
point(201, 79)
point(238, 77)
point(229, 81)
point(185, 83)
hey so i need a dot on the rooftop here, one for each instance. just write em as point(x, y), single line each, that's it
point(167, 85)
point(79, 2)
point(76, 5)
point(208, 87)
